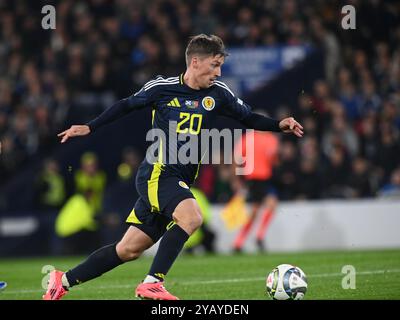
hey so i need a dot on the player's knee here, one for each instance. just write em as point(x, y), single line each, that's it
point(188, 215)
point(190, 222)
point(196, 220)
point(127, 252)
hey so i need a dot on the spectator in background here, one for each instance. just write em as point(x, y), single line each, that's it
point(61, 106)
point(392, 189)
point(310, 184)
point(204, 20)
point(133, 26)
point(336, 174)
point(50, 187)
point(388, 155)
point(321, 96)
point(11, 158)
point(24, 134)
point(304, 106)
point(369, 100)
point(368, 136)
point(90, 178)
point(330, 44)
point(310, 176)
point(50, 196)
point(43, 125)
point(3, 122)
point(340, 133)
point(360, 179)
point(347, 95)
point(76, 225)
point(286, 173)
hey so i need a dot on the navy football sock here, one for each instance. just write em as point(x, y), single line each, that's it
point(171, 245)
point(99, 262)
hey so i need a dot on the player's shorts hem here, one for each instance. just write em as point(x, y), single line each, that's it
point(157, 225)
point(171, 206)
point(148, 230)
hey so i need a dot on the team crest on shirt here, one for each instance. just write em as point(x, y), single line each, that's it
point(208, 103)
point(183, 184)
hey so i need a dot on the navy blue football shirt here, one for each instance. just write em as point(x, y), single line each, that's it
point(187, 111)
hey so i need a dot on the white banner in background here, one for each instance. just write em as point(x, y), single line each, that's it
point(323, 225)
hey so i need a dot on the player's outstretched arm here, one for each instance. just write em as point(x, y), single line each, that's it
point(74, 131)
point(115, 112)
point(260, 122)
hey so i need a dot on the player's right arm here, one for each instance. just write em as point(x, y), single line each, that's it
point(137, 101)
point(239, 110)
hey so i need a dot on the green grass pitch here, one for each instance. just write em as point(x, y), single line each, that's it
point(225, 277)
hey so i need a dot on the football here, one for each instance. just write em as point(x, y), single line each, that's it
point(286, 282)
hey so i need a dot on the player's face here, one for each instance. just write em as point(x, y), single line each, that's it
point(208, 69)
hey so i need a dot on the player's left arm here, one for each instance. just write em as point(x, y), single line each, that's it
point(239, 110)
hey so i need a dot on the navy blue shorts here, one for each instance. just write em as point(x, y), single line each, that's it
point(159, 195)
point(258, 189)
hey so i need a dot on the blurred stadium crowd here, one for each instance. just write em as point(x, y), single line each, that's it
point(103, 50)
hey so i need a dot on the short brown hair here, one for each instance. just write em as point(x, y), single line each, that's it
point(205, 45)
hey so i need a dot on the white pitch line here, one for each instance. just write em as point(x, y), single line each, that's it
point(216, 281)
point(321, 275)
